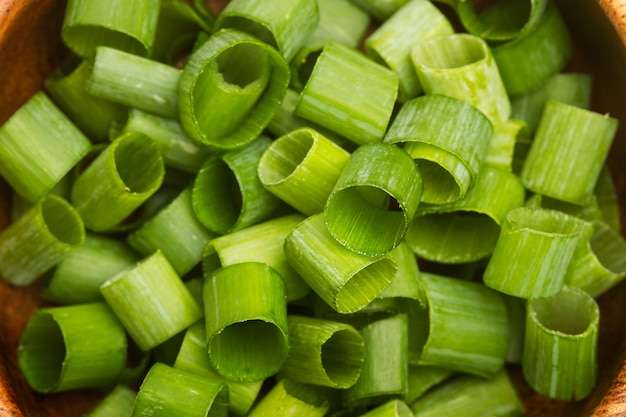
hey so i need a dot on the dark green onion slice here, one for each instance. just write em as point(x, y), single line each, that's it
point(119, 24)
point(72, 347)
point(543, 242)
point(227, 66)
point(39, 239)
point(151, 301)
point(123, 176)
point(345, 280)
point(560, 352)
point(374, 199)
point(301, 168)
point(246, 321)
point(39, 145)
point(450, 151)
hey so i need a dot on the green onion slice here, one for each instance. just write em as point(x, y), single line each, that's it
point(392, 408)
point(290, 398)
point(118, 402)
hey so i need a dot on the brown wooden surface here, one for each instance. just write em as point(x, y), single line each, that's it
point(30, 47)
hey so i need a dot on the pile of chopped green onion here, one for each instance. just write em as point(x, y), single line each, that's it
point(312, 208)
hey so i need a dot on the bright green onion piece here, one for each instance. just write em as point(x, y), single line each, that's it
point(471, 396)
point(72, 347)
point(599, 262)
point(528, 61)
point(176, 231)
point(345, 280)
point(119, 24)
point(392, 408)
point(301, 168)
point(177, 149)
point(448, 138)
point(77, 278)
point(122, 78)
point(568, 152)
point(246, 321)
point(606, 197)
point(227, 193)
point(216, 65)
point(349, 94)
point(507, 135)
point(39, 239)
point(502, 21)
point(177, 29)
point(118, 402)
point(560, 351)
point(374, 199)
point(151, 301)
point(289, 398)
point(467, 327)
point(380, 9)
point(589, 212)
point(533, 252)
point(339, 20)
point(405, 283)
point(323, 352)
point(385, 368)
point(165, 390)
point(262, 242)
point(193, 357)
point(391, 43)
point(123, 176)
point(466, 230)
point(91, 115)
point(284, 25)
point(569, 88)
point(422, 378)
point(462, 66)
point(39, 145)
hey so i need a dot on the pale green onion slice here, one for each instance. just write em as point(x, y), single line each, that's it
point(462, 66)
point(599, 263)
point(262, 242)
point(122, 177)
point(118, 402)
point(590, 211)
point(448, 152)
point(39, 239)
point(301, 168)
point(503, 20)
point(466, 230)
point(380, 9)
point(151, 301)
point(405, 283)
point(176, 231)
point(606, 197)
point(39, 145)
point(560, 352)
point(374, 199)
point(391, 43)
point(392, 408)
point(533, 252)
point(246, 321)
point(92, 115)
point(345, 280)
point(570, 88)
point(177, 149)
point(507, 135)
point(217, 64)
point(568, 152)
point(193, 357)
point(385, 368)
point(422, 378)
point(339, 20)
point(289, 398)
point(165, 389)
point(467, 327)
point(77, 278)
point(227, 193)
point(72, 347)
point(528, 61)
point(323, 352)
point(349, 94)
point(119, 24)
point(285, 25)
point(471, 396)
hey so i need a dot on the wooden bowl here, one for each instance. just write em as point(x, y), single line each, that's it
point(30, 48)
